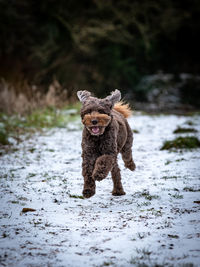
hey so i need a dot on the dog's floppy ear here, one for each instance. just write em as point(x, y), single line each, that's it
point(83, 95)
point(114, 97)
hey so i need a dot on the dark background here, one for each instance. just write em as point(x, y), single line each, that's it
point(99, 45)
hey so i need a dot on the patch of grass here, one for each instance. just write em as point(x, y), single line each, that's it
point(180, 130)
point(169, 177)
point(176, 189)
point(143, 235)
point(4, 235)
point(5, 175)
point(50, 150)
point(143, 259)
point(177, 196)
point(38, 120)
point(145, 203)
point(191, 189)
point(144, 252)
point(3, 134)
point(178, 160)
point(154, 212)
point(136, 131)
point(137, 262)
point(48, 176)
point(173, 236)
point(190, 123)
point(14, 202)
point(167, 224)
point(148, 196)
point(51, 117)
point(76, 196)
point(32, 150)
point(31, 175)
point(188, 142)
point(107, 263)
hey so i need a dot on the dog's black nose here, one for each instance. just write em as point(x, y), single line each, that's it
point(94, 122)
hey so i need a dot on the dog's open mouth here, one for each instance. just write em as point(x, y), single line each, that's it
point(95, 130)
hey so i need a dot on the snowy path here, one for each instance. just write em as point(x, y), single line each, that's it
point(156, 223)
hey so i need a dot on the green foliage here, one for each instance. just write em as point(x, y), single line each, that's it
point(184, 130)
point(176, 195)
point(191, 189)
point(76, 196)
point(148, 196)
point(188, 142)
point(48, 118)
point(3, 135)
point(15, 125)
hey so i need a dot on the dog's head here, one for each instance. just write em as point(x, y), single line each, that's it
point(95, 112)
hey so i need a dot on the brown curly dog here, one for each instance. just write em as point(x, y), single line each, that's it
point(106, 133)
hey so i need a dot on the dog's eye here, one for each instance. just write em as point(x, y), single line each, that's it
point(88, 111)
point(101, 111)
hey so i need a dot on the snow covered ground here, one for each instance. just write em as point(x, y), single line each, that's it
point(157, 222)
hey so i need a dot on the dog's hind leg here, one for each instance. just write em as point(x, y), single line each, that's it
point(127, 158)
point(127, 150)
point(116, 177)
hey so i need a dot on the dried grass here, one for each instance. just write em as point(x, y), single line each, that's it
point(28, 98)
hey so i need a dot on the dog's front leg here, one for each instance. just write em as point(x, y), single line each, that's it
point(102, 167)
point(89, 182)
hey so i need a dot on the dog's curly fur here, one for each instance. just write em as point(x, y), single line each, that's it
point(106, 133)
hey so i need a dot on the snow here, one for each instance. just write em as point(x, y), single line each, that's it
point(157, 222)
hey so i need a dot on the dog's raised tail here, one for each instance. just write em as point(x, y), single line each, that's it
point(123, 108)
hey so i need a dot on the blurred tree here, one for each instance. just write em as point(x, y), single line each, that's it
point(97, 44)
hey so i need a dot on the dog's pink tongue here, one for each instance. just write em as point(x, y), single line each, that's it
point(95, 130)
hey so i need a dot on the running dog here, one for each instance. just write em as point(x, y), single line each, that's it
point(106, 133)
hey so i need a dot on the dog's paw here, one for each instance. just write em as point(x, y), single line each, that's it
point(130, 165)
point(118, 192)
point(87, 193)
